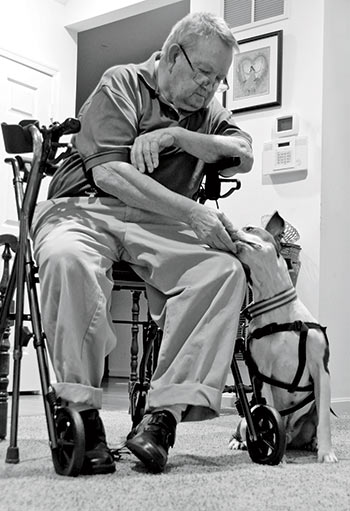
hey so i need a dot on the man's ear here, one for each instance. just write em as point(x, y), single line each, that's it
point(173, 53)
point(275, 226)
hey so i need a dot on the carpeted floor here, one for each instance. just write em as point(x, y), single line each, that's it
point(202, 474)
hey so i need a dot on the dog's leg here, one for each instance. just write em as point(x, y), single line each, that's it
point(238, 439)
point(319, 371)
point(323, 404)
point(303, 425)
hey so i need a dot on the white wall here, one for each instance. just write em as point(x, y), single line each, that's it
point(315, 85)
point(35, 31)
point(335, 186)
point(297, 200)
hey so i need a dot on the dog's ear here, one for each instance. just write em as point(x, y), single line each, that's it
point(275, 226)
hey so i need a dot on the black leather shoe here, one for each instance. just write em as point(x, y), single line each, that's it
point(98, 458)
point(152, 438)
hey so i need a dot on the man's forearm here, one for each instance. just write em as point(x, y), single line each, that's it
point(138, 190)
point(211, 148)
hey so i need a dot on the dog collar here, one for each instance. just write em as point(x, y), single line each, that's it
point(276, 301)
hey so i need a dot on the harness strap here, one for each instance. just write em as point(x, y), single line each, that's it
point(272, 328)
point(276, 383)
point(258, 308)
point(302, 357)
point(298, 406)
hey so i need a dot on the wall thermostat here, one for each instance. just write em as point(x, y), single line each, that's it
point(286, 126)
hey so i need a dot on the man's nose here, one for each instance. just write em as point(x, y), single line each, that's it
point(207, 84)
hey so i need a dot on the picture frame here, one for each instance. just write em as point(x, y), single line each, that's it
point(255, 77)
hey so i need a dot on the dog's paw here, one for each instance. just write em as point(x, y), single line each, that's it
point(327, 457)
point(311, 446)
point(237, 444)
point(237, 440)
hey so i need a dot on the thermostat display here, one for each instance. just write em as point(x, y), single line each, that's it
point(286, 126)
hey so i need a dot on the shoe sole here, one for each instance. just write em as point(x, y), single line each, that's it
point(150, 457)
point(100, 470)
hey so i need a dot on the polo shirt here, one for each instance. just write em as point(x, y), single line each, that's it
point(124, 105)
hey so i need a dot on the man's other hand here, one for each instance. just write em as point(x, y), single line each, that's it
point(146, 148)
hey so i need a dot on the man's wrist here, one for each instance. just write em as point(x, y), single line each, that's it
point(176, 132)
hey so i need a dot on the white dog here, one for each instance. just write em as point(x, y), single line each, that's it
point(286, 344)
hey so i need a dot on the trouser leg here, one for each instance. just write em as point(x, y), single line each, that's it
point(195, 295)
point(75, 283)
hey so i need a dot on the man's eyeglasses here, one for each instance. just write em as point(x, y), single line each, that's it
point(205, 78)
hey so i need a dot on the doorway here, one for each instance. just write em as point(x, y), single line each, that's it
point(131, 39)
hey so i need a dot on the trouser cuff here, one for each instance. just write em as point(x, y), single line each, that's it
point(82, 395)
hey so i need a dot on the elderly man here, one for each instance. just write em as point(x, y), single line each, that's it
point(126, 193)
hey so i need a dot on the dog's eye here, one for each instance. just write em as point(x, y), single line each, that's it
point(249, 228)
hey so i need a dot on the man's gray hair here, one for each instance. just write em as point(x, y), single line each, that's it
point(196, 26)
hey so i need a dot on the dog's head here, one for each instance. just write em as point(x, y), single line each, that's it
point(259, 249)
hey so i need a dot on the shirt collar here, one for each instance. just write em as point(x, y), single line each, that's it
point(147, 71)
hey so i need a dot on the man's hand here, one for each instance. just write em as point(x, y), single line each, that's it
point(243, 153)
point(212, 228)
point(146, 148)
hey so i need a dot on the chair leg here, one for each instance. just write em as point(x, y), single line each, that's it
point(134, 348)
point(151, 338)
point(150, 343)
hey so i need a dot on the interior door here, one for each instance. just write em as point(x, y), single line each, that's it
point(26, 92)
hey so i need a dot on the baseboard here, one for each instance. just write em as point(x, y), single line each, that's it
point(228, 400)
point(341, 405)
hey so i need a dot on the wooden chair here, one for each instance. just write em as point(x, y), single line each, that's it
point(140, 371)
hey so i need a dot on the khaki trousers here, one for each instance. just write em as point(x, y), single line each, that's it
point(195, 295)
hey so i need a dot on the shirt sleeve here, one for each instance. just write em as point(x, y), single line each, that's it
point(109, 118)
point(222, 122)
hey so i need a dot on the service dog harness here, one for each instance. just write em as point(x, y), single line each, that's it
point(301, 327)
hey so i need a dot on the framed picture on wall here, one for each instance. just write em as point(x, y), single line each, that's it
point(255, 77)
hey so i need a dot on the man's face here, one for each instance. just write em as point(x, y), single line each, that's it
point(193, 87)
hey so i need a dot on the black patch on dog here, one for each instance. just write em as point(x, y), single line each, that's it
point(326, 358)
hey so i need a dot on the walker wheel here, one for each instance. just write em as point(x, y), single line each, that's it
point(270, 445)
point(68, 456)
